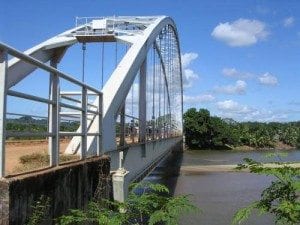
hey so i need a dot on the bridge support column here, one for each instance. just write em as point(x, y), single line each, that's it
point(120, 185)
point(3, 82)
point(142, 102)
point(53, 111)
point(122, 126)
point(120, 182)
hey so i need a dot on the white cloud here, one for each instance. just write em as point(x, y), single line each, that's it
point(264, 115)
point(187, 58)
point(268, 79)
point(238, 88)
point(232, 72)
point(242, 32)
point(198, 98)
point(239, 112)
point(189, 76)
point(233, 107)
point(288, 22)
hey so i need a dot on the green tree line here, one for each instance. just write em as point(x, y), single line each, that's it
point(204, 131)
point(29, 124)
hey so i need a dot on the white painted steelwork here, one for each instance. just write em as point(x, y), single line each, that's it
point(142, 34)
point(54, 103)
point(117, 87)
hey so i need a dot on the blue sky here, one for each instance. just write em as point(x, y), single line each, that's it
point(241, 58)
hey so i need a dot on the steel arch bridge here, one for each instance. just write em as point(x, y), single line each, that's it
point(136, 117)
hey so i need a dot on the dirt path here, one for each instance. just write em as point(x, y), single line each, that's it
point(16, 149)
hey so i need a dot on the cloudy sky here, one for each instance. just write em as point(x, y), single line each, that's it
point(241, 59)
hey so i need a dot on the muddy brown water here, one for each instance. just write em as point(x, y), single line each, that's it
point(218, 194)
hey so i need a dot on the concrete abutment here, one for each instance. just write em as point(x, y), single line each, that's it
point(73, 185)
point(68, 186)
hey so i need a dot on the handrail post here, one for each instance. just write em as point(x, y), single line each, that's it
point(54, 117)
point(99, 136)
point(3, 98)
point(83, 148)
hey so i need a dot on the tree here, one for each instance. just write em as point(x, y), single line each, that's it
point(281, 198)
point(205, 131)
point(290, 135)
point(196, 125)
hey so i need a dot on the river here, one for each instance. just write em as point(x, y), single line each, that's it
point(218, 194)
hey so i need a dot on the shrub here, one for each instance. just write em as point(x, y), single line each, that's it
point(281, 198)
point(147, 204)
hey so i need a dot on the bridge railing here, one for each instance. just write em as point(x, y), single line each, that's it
point(80, 109)
point(94, 26)
point(129, 133)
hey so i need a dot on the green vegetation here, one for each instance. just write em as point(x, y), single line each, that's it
point(27, 123)
point(39, 211)
point(147, 204)
point(281, 198)
point(205, 131)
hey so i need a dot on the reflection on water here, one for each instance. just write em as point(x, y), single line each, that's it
point(219, 195)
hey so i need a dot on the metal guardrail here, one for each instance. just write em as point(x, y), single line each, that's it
point(85, 110)
point(109, 26)
point(95, 26)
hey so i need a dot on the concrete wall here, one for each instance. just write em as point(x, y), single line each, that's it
point(68, 186)
point(138, 161)
point(139, 157)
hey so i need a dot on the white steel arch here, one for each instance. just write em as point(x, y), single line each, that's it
point(117, 87)
point(140, 32)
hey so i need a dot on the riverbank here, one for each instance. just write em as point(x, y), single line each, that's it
point(226, 168)
point(278, 145)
